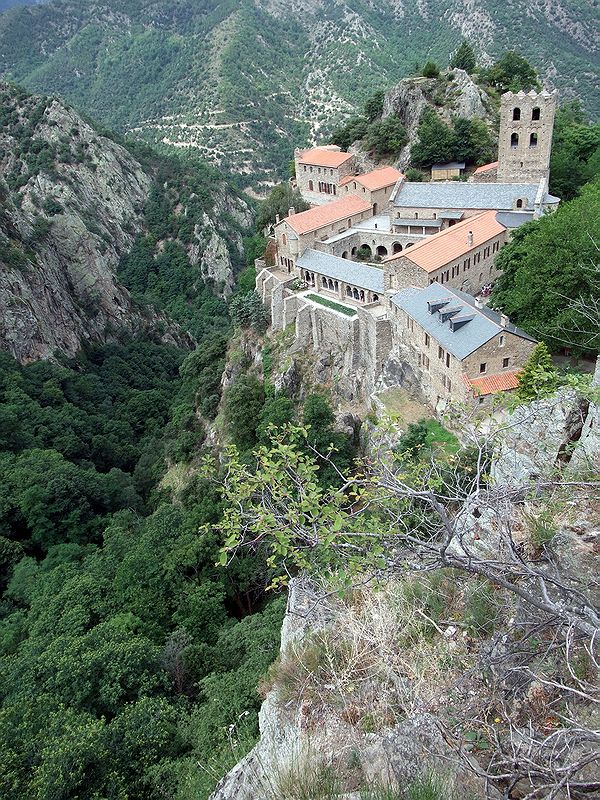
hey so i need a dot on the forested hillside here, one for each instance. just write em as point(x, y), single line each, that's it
point(223, 77)
point(125, 654)
point(75, 205)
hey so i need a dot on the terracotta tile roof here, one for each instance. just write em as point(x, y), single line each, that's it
point(376, 179)
point(321, 157)
point(486, 168)
point(490, 384)
point(446, 246)
point(318, 217)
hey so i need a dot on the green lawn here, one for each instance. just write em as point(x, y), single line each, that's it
point(349, 312)
point(439, 438)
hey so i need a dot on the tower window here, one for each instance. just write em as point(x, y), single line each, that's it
point(535, 114)
point(516, 114)
point(519, 204)
point(514, 140)
point(533, 140)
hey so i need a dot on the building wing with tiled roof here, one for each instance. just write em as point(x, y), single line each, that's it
point(338, 210)
point(381, 178)
point(492, 384)
point(452, 243)
point(324, 157)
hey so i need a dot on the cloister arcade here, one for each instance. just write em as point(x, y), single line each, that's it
point(340, 289)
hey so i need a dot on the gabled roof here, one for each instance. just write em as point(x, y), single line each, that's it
point(376, 179)
point(323, 157)
point(490, 384)
point(453, 318)
point(486, 168)
point(327, 214)
point(342, 269)
point(440, 249)
point(455, 194)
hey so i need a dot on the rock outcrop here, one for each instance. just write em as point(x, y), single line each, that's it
point(294, 744)
point(457, 97)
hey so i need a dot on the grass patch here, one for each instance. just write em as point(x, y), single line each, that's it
point(349, 312)
point(440, 438)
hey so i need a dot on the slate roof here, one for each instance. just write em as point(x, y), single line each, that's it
point(418, 223)
point(376, 179)
point(449, 165)
point(482, 326)
point(322, 157)
point(342, 269)
point(454, 194)
point(452, 243)
point(514, 219)
point(328, 214)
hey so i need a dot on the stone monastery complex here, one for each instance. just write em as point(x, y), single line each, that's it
point(381, 269)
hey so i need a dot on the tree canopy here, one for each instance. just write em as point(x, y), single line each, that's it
point(512, 72)
point(550, 274)
point(464, 57)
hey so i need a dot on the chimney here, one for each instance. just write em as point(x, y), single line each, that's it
point(291, 212)
point(277, 219)
point(504, 320)
point(470, 238)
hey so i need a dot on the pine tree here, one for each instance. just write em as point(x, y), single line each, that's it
point(538, 377)
point(464, 58)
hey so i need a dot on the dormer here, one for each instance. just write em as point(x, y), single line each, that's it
point(447, 313)
point(458, 322)
point(435, 305)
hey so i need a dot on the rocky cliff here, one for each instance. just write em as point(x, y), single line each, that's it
point(431, 673)
point(459, 96)
point(72, 203)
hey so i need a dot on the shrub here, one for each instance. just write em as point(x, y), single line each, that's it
point(538, 377)
point(415, 175)
point(248, 311)
point(52, 207)
point(481, 610)
point(431, 70)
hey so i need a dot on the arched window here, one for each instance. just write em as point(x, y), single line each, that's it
point(382, 251)
point(533, 140)
point(535, 114)
point(284, 240)
point(397, 247)
point(345, 254)
point(349, 223)
point(311, 186)
point(516, 114)
point(375, 298)
point(354, 251)
point(519, 203)
point(514, 140)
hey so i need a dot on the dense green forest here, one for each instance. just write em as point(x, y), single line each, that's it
point(125, 653)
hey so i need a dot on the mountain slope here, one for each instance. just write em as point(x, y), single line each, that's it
point(244, 81)
point(72, 205)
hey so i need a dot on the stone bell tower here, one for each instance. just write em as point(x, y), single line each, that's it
point(526, 125)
